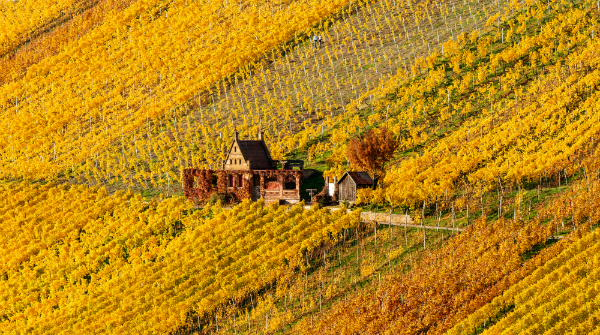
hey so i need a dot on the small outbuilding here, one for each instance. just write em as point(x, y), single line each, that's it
point(351, 182)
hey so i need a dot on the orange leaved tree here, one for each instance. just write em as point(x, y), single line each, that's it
point(371, 152)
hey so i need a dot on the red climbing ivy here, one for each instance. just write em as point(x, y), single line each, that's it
point(199, 185)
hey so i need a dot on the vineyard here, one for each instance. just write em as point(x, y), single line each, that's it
point(143, 266)
point(492, 105)
point(569, 284)
point(134, 132)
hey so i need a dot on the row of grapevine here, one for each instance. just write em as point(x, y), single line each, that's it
point(79, 259)
point(14, 65)
point(539, 131)
point(481, 273)
point(560, 291)
point(294, 99)
point(126, 116)
point(135, 67)
point(562, 273)
point(358, 263)
point(22, 19)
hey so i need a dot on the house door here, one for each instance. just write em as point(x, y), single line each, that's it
point(255, 192)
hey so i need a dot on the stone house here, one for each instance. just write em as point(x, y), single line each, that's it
point(248, 171)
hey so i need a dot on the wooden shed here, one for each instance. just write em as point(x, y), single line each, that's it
point(350, 183)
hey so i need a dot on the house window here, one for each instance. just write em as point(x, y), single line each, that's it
point(240, 181)
point(230, 181)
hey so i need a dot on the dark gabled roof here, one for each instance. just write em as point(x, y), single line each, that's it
point(360, 178)
point(256, 152)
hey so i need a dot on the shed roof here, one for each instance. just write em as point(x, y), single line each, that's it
point(359, 177)
point(256, 152)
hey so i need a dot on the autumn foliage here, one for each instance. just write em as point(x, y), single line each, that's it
point(371, 152)
point(482, 272)
point(118, 264)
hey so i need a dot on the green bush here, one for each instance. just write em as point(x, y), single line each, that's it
point(216, 197)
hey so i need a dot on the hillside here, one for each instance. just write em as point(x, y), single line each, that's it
point(485, 275)
point(118, 77)
point(493, 105)
point(79, 259)
point(121, 142)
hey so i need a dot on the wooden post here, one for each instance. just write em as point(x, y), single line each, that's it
point(298, 185)
point(500, 208)
point(391, 239)
point(519, 197)
point(267, 320)
point(375, 233)
point(482, 208)
point(559, 179)
point(405, 228)
point(453, 214)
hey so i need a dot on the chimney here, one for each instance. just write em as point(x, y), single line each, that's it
point(237, 136)
point(261, 135)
